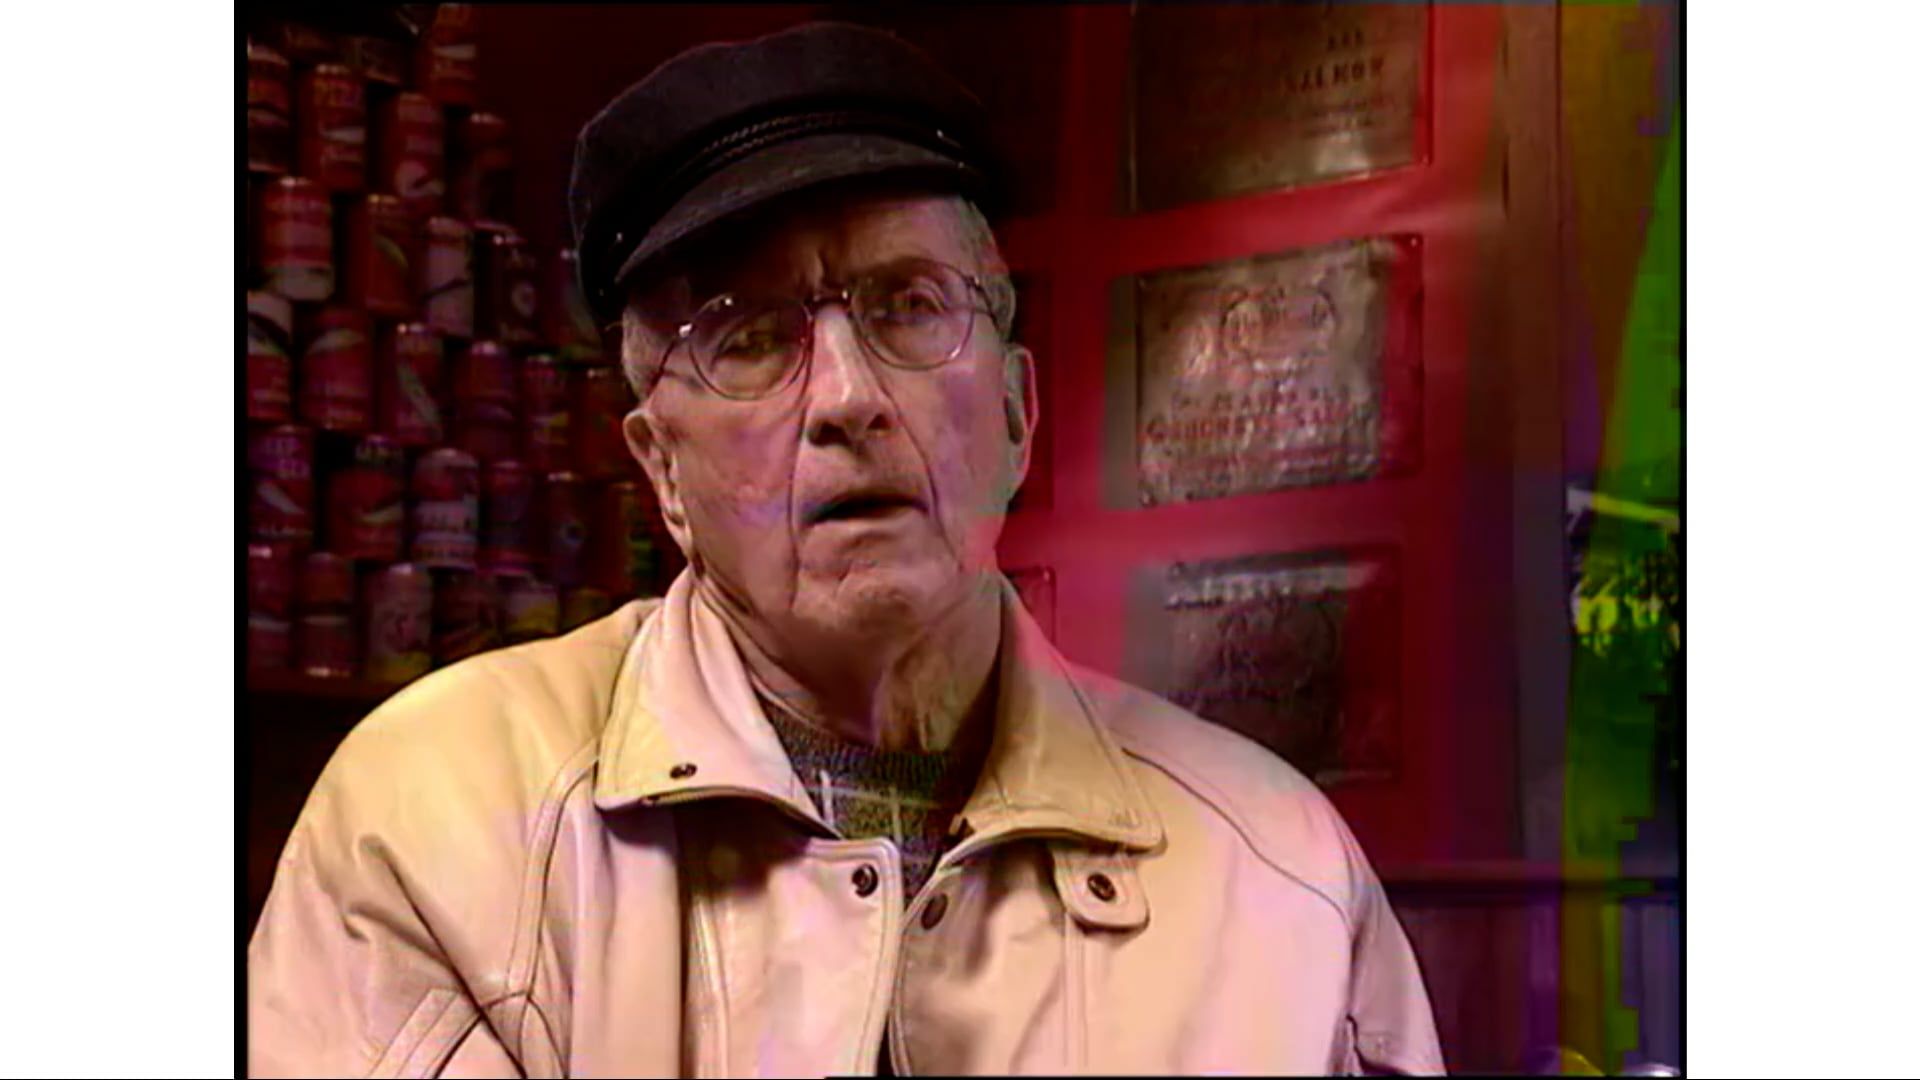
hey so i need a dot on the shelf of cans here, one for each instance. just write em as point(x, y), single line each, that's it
point(434, 462)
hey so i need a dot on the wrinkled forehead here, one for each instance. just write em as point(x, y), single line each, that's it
point(809, 242)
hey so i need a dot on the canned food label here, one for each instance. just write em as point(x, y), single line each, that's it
point(378, 60)
point(463, 618)
point(269, 642)
point(269, 369)
point(297, 237)
point(336, 388)
point(334, 131)
point(448, 296)
point(487, 434)
point(269, 580)
point(327, 646)
point(546, 441)
point(269, 386)
point(382, 269)
point(508, 542)
point(368, 514)
point(447, 532)
point(282, 501)
point(269, 145)
point(399, 635)
point(529, 609)
point(419, 419)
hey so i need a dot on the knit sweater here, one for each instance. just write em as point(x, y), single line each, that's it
point(908, 796)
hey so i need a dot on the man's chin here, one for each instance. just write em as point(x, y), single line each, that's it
point(874, 601)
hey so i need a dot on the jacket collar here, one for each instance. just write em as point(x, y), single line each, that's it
point(685, 724)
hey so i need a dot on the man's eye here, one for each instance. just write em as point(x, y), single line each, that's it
point(749, 344)
point(915, 301)
point(757, 338)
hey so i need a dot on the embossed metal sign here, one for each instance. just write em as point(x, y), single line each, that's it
point(1232, 98)
point(1299, 653)
point(1278, 371)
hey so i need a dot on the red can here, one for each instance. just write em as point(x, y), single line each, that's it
point(410, 364)
point(332, 139)
point(621, 551)
point(336, 370)
point(482, 168)
point(529, 609)
point(545, 443)
point(270, 586)
point(602, 401)
point(296, 239)
point(564, 522)
point(446, 510)
point(399, 623)
point(325, 644)
point(271, 578)
point(381, 244)
point(377, 60)
point(444, 57)
point(566, 321)
point(465, 616)
point(269, 111)
point(410, 158)
point(301, 43)
point(446, 278)
point(506, 288)
point(269, 357)
point(326, 582)
point(581, 606)
point(280, 467)
point(485, 397)
point(507, 516)
point(324, 640)
point(366, 502)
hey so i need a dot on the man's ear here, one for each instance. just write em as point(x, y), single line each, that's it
point(652, 446)
point(1022, 402)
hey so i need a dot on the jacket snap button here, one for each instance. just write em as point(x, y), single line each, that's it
point(931, 914)
point(865, 880)
point(1102, 887)
point(683, 770)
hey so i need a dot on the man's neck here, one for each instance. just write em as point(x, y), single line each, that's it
point(917, 695)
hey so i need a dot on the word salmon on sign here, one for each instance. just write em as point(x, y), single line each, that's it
point(1278, 371)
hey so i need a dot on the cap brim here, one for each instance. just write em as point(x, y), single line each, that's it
point(784, 169)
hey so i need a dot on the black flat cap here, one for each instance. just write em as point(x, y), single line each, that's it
point(721, 129)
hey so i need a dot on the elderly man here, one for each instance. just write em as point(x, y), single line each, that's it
point(833, 805)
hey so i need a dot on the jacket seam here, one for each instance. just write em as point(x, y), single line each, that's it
point(526, 930)
point(1219, 804)
point(553, 1044)
point(396, 1055)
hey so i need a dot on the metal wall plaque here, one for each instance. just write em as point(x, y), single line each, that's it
point(1300, 653)
point(1232, 98)
point(1278, 370)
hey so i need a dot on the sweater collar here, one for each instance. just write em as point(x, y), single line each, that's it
point(685, 725)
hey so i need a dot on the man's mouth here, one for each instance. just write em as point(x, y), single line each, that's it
point(863, 506)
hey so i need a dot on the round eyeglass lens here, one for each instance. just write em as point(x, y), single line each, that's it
point(747, 349)
point(916, 311)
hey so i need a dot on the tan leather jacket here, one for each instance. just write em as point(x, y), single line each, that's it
point(589, 856)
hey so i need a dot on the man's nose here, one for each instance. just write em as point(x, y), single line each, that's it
point(846, 401)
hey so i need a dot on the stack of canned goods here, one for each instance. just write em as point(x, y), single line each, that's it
point(434, 457)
